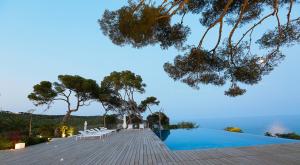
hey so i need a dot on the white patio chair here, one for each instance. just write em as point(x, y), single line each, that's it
point(84, 134)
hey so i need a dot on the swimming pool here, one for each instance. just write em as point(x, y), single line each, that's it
point(202, 138)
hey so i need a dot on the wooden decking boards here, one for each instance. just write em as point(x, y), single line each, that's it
point(144, 147)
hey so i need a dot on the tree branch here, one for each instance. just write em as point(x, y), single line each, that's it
point(184, 13)
point(242, 11)
point(61, 99)
point(161, 5)
point(138, 6)
point(278, 19)
point(253, 27)
point(219, 36)
point(289, 12)
point(229, 2)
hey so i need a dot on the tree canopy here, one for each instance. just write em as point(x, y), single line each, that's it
point(149, 101)
point(231, 59)
point(126, 85)
point(116, 93)
point(83, 90)
point(154, 119)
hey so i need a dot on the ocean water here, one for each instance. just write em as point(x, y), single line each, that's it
point(203, 138)
point(255, 125)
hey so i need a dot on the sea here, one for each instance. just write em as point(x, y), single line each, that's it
point(254, 125)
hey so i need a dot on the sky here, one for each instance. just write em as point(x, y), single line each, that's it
point(40, 40)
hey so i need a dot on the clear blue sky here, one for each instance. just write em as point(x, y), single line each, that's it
point(42, 39)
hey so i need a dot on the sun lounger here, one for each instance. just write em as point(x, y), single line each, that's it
point(84, 134)
point(95, 132)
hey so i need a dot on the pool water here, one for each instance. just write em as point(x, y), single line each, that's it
point(202, 138)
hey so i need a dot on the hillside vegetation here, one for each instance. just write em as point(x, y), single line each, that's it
point(14, 127)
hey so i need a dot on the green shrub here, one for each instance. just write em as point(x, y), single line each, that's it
point(46, 130)
point(35, 140)
point(14, 137)
point(66, 131)
point(183, 125)
point(187, 125)
point(289, 136)
point(172, 126)
point(5, 143)
point(70, 131)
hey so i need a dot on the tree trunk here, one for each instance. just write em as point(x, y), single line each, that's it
point(104, 122)
point(129, 119)
point(56, 132)
point(66, 117)
point(30, 121)
point(159, 118)
point(63, 122)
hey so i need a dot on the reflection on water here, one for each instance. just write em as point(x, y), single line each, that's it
point(163, 134)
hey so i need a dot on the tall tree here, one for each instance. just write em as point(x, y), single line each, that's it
point(30, 112)
point(109, 100)
point(231, 58)
point(69, 89)
point(125, 86)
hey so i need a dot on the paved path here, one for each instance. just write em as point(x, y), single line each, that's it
point(144, 147)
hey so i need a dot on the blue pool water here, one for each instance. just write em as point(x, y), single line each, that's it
point(202, 138)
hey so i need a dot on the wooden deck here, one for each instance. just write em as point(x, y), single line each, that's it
point(144, 147)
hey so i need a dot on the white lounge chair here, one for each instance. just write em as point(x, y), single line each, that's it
point(105, 131)
point(95, 132)
point(92, 132)
point(84, 134)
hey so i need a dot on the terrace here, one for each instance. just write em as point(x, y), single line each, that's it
point(144, 147)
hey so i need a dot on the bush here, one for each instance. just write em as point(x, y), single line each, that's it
point(184, 125)
point(233, 129)
point(187, 125)
point(289, 136)
point(172, 126)
point(5, 143)
point(153, 119)
point(66, 131)
point(35, 140)
point(14, 137)
point(9, 139)
point(46, 130)
point(70, 131)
